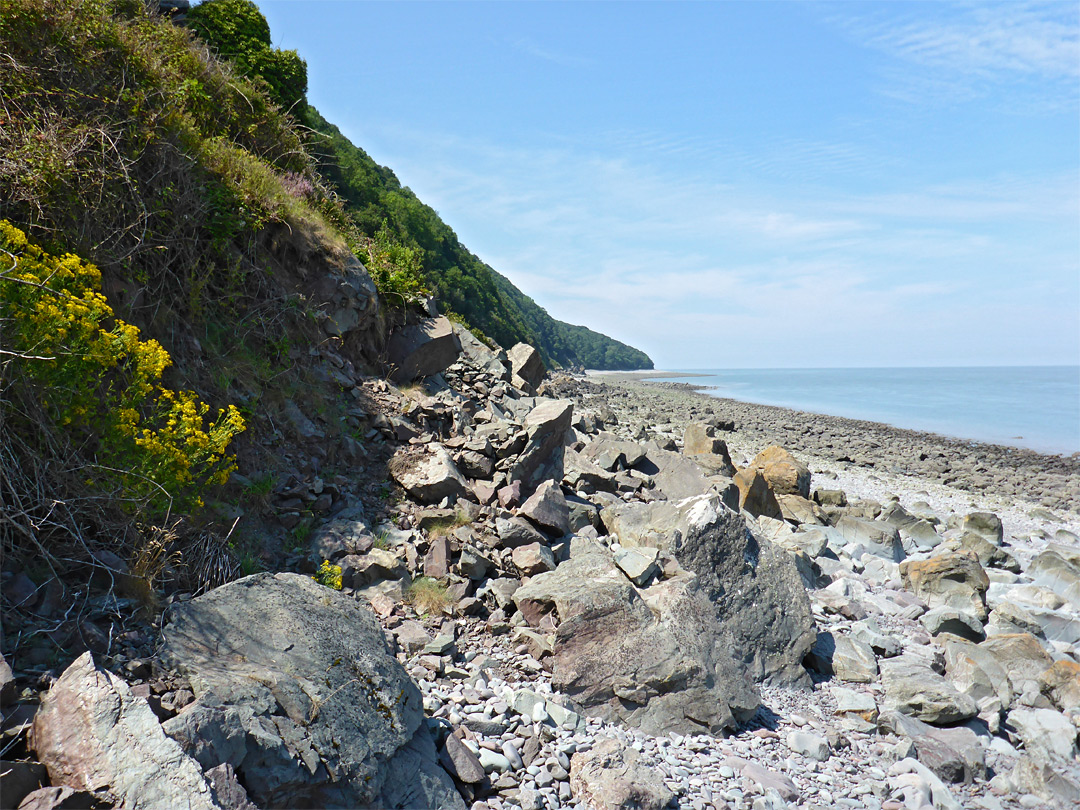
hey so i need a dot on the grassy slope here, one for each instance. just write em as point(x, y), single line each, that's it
point(463, 283)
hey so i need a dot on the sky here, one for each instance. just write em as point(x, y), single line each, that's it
point(738, 184)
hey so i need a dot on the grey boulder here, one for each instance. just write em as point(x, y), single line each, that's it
point(428, 474)
point(309, 707)
point(611, 777)
point(754, 586)
point(422, 349)
point(913, 688)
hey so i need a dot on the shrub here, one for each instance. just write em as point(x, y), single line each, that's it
point(87, 381)
point(329, 575)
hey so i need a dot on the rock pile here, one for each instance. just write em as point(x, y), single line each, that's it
point(568, 609)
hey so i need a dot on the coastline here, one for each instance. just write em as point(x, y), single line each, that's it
point(1035, 493)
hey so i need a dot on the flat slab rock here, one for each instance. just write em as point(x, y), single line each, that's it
point(296, 690)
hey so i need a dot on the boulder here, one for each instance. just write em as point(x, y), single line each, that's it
point(542, 457)
point(428, 475)
point(948, 580)
point(755, 496)
point(460, 762)
point(661, 665)
point(699, 440)
point(547, 508)
point(639, 564)
point(986, 525)
point(515, 531)
point(611, 453)
point(954, 754)
point(800, 511)
point(480, 357)
point(92, 734)
point(526, 365)
point(1045, 779)
point(950, 620)
point(1022, 657)
point(915, 689)
point(1046, 733)
point(785, 474)
point(975, 672)
point(323, 715)
point(876, 536)
point(347, 295)
point(809, 745)
point(843, 657)
point(754, 586)
point(674, 476)
point(437, 559)
point(1058, 568)
point(611, 776)
point(990, 555)
point(422, 349)
point(533, 559)
point(1061, 683)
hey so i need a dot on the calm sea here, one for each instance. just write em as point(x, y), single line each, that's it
point(1025, 406)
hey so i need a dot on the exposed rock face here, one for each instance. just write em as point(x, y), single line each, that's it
point(93, 734)
point(656, 659)
point(429, 475)
point(948, 580)
point(609, 777)
point(347, 295)
point(422, 349)
point(754, 586)
point(297, 692)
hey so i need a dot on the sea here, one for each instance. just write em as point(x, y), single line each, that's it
point(1037, 407)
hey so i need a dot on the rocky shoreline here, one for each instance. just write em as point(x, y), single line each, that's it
point(599, 593)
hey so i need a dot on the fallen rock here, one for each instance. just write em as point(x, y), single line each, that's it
point(986, 525)
point(948, 580)
point(876, 536)
point(843, 657)
point(954, 754)
point(325, 715)
point(755, 496)
point(460, 762)
point(533, 559)
point(809, 745)
point(542, 457)
point(662, 665)
point(1022, 657)
point(956, 622)
point(1058, 568)
point(913, 688)
point(611, 777)
point(92, 734)
point(527, 365)
point(547, 508)
point(1061, 683)
point(918, 786)
point(754, 586)
point(785, 474)
point(1046, 733)
point(422, 349)
point(428, 475)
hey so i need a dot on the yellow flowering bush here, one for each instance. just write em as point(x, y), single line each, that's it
point(97, 382)
point(329, 575)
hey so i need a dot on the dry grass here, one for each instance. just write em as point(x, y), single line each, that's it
point(427, 595)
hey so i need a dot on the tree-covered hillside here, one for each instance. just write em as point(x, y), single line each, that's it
point(462, 282)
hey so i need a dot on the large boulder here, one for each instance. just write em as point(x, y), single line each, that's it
point(542, 457)
point(1058, 568)
point(422, 349)
point(754, 586)
point(755, 494)
point(948, 580)
point(954, 754)
point(875, 536)
point(656, 659)
point(976, 672)
point(296, 690)
point(526, 366)
point(610, 776)
point(674, 475)
point(93, 734)
point(1022, 657)
point(913, 688)
point(785, 474)
point(428, 474)
point(547, 508)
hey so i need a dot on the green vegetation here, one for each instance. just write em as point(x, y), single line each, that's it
point(329, 575)
point(377, 202)
point(237, 30)
point(84, 385)
point(427, 595)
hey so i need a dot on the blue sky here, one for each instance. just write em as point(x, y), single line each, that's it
point(738, 184)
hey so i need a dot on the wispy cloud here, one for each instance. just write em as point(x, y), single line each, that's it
point(950, 53)
point(548, 55)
